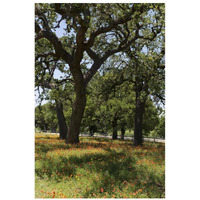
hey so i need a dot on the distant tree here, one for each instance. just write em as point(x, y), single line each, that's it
point(62, 97)
point(110, 102)
point(53, 89)
point(55, 93)
point(151, 118)
point(160, 129)
point(143, 66)
point(148, 76)
point(45, 117)
point(118, 101)
point(39, 119)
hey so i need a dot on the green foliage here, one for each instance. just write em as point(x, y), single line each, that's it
point(159, 130)
point(111, 94)
point(45, 117)
point(161, 127)
point(107, 100)
point(151, 118)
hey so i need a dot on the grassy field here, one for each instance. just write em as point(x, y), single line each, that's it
point(98, 168)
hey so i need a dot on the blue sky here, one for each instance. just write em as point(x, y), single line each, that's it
point(57, 73)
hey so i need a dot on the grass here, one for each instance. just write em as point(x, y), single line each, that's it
point(98, 168)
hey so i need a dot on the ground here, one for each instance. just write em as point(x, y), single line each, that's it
point(98, 168)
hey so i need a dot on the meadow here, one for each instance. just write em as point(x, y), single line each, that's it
point(98, 168)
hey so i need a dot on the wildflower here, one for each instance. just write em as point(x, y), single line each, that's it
point(101, 189)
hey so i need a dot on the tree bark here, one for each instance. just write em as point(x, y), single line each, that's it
point(61, 120)
point(46, 127)
point(75, 123)
point(139, 112)
point(77, 108)
point(114, 125)
point(122, 132)
point(92, 129)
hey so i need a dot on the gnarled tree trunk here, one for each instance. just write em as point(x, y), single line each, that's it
point(61, 120)
point(77, 108)
point(75, 123)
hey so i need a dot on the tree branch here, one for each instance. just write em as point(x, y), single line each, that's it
point(44, 55)
point(99, 61)
point(59, 49)
point(92, 54)
point(113, 24)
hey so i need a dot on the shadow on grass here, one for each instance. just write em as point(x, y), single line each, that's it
point(45, 145)
point(113, 167)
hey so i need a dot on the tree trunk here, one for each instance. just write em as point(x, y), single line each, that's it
point(139, 111)
point(61, 120)
point(122, 132)
point(46, 127)
point(92, 129)
point(114, 125)
point(77, 108)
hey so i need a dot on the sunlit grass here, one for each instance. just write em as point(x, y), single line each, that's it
point(98, 168)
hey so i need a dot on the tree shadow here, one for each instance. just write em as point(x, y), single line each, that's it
point(113, 167)
point(45, 147)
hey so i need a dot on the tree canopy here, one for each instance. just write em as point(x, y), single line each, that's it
point(96, 37)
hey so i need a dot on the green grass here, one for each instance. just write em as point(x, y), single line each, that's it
point(98, 168)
